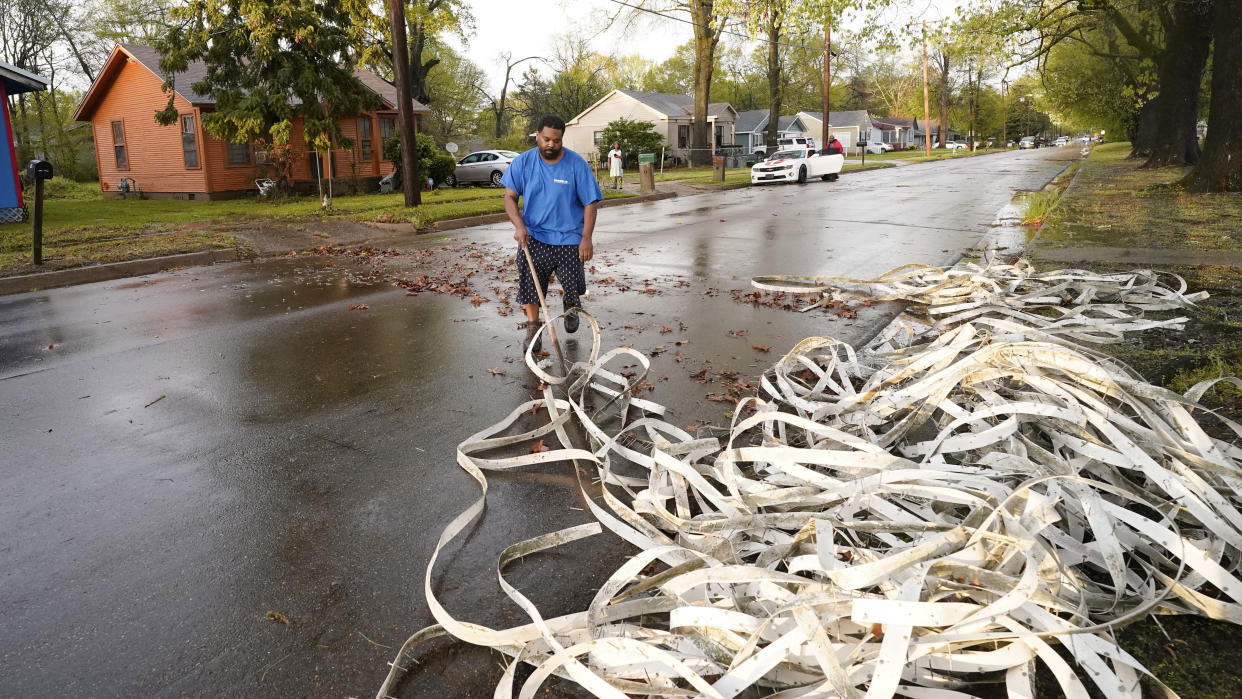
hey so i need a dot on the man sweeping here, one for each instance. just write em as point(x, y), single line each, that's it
point(560, 196)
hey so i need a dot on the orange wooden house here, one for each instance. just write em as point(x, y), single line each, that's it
point(181, 161)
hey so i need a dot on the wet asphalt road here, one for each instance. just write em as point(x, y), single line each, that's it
point(185, 452)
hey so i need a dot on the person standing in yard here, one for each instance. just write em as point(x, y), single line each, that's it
point(614, 165)
point(560, 195)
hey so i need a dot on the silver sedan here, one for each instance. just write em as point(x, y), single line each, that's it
point(484, 166)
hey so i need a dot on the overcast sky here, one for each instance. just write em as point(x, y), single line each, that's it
point(528, 27)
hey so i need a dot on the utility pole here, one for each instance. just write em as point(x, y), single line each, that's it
point(405, 106)
point(926, 101)
point(1004, 114)
point(823, 143)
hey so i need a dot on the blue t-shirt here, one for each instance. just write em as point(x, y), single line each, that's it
point(554, 194)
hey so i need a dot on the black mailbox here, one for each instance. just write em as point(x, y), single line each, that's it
point(38, 170)
point(861, 143)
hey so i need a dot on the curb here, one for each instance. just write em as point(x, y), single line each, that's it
point(134, 268)
point(114, 270)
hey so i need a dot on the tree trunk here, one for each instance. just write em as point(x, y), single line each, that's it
point(1181, 74)
point(1220, 168)
point(705, 38)
point(419, 70)
point(1143, 136)
point(774, 81)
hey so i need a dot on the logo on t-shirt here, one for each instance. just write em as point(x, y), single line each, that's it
point(560, 181)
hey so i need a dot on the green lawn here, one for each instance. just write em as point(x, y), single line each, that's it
point(81, 227)
point(919, 155)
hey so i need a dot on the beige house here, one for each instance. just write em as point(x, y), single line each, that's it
point(671, 114)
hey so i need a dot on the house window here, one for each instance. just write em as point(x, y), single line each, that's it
point(364, 137)
point(189, 141)
point(239, 153)
point(118, 145)
point(683, 135)
point(387, 126)
point(262, 157)
point(599, 137)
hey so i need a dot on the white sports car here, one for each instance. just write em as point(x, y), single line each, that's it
point(796, 166)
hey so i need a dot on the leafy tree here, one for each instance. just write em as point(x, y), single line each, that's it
point(456, 101)
point(675, 75)
point(433, 162)
point(707, 19)
point(1091, 90)
point(634, 136)
point(51, 133)
point(1162, 47)
point(258, 84)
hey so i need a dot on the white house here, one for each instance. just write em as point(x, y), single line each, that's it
point(671, 115)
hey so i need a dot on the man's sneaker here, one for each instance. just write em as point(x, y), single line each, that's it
point(571, 320)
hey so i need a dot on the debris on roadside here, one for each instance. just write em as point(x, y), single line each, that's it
point(972, 492)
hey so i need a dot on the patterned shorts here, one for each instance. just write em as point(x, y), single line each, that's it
point(562, 259)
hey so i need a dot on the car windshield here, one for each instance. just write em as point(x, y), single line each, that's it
point(786, 154)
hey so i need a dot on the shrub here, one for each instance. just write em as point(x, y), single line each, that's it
point(64, 188)
point(433, 162)
point(634, 136)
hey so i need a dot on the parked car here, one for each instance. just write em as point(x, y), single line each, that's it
point(796, 166)
point(1027, 142)
point(1062, 141)
point(877, 148)
point(955, 145)
point(481, 167)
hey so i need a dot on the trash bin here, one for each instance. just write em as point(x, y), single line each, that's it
point(646, 173)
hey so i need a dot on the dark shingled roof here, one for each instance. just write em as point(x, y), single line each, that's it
point(903, 122)
point(197, 70)
point(194, 72)
point(750, 120)
point(855, 117)
point(674, 105)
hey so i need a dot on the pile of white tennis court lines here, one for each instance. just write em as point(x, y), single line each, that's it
point(973, 492)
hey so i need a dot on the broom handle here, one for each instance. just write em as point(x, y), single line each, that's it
point(543, 305)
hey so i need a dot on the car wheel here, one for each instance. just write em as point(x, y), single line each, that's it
point(802, 175)
point(834, 177)
point(496, 178)
point(826, 178)
point(450, 181)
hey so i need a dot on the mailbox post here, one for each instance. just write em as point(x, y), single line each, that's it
point(38, 171)
point(862, 146)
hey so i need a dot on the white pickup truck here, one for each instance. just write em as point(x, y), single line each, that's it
point(804, 142)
